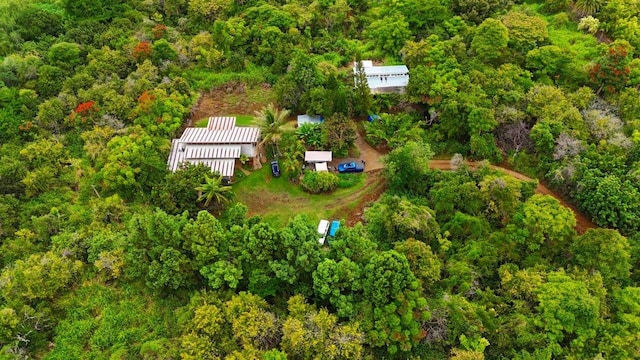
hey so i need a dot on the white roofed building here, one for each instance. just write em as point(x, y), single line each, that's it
point(217, 146)
point(384, 79)
point(318, 156)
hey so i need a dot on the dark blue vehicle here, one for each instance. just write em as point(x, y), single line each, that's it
point(351, 167)
point(275, 168)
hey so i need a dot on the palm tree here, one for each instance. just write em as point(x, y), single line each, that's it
point(212, 189)
point(588, 7)
point(270, 120)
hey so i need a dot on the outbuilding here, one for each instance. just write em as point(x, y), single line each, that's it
point(312, 157)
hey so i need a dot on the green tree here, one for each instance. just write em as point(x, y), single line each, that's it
point(271, 120)
point(213, 190)
point(393, 130)
point(64, 55)
point(393, 309)
point(609, 200)
point(339, 133)
point(588, 7)
point(177, 193)
point(132, 164)
point(363, 100)
point(490, 40)
point(35, 22)
point(604, 250)
point(393, 219)
point(544, 224)
point(568, 309)
point(39, 277)
point(407, 168)
point(389, 34)
point(339, 283)
point(311, 334)
point(424, 264)
point(525, 32)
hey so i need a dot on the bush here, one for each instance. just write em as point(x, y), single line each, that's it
point(348, 180)
point(317, 182)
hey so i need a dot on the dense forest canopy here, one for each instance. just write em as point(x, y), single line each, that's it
point(104, 253)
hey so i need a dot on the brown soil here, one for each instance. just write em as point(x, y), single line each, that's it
point(232, 99)
point(370, 192)
point(582, 222)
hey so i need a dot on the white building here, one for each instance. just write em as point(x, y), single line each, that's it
point(217, 146)
point(384, 79)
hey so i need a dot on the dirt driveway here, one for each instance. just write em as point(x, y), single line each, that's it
point(582, 222)
point(371, 156)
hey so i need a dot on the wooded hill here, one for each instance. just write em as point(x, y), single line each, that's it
point(105, 254)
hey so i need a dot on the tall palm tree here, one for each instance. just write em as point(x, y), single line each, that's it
point(212, 189)
point(270, 120)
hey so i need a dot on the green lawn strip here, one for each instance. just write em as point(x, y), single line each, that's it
point(241, 120)
point(277, 200)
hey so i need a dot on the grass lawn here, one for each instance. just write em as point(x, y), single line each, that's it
point(277, 200)
point(241, 120)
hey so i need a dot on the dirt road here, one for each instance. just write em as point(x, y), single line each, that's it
point(374, 163)
point(582, 223)
point(370, 155)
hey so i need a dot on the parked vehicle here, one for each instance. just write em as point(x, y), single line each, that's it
point(323, 228)
point(335, 226)
point(351, 167)
point(275, 168)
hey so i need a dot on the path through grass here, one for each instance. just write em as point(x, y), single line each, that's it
point(277, 200)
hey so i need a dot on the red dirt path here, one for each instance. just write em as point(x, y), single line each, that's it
point(582, 222)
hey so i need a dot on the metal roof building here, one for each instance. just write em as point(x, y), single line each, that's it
point(318, 156)
point(217, 146)
point(385, 79)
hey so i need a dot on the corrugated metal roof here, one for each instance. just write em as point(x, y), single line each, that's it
point(212, 151)
point(237, 135)
point(221, 123)
point(218, 158)
point(224, 167)
point(176, 156)
point(378, 82)
point(318, 156)
point(398, 70)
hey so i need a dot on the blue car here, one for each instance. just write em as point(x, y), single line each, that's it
point(275, 168)
point(351, 167)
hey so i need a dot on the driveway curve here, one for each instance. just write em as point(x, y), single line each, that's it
point(374, 163)
point(582, 222)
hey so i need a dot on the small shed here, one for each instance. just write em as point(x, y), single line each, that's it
point(309, 119)
point(312, 157)
point(322, 167)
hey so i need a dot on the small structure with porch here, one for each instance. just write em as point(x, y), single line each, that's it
point(217, 146)
point(384, 79)
point(320, 159)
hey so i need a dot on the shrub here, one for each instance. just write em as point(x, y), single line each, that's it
point(348, 180)
point(317, 182)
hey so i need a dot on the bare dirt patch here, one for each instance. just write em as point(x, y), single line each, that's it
point(371, 191)
point(231, 99)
